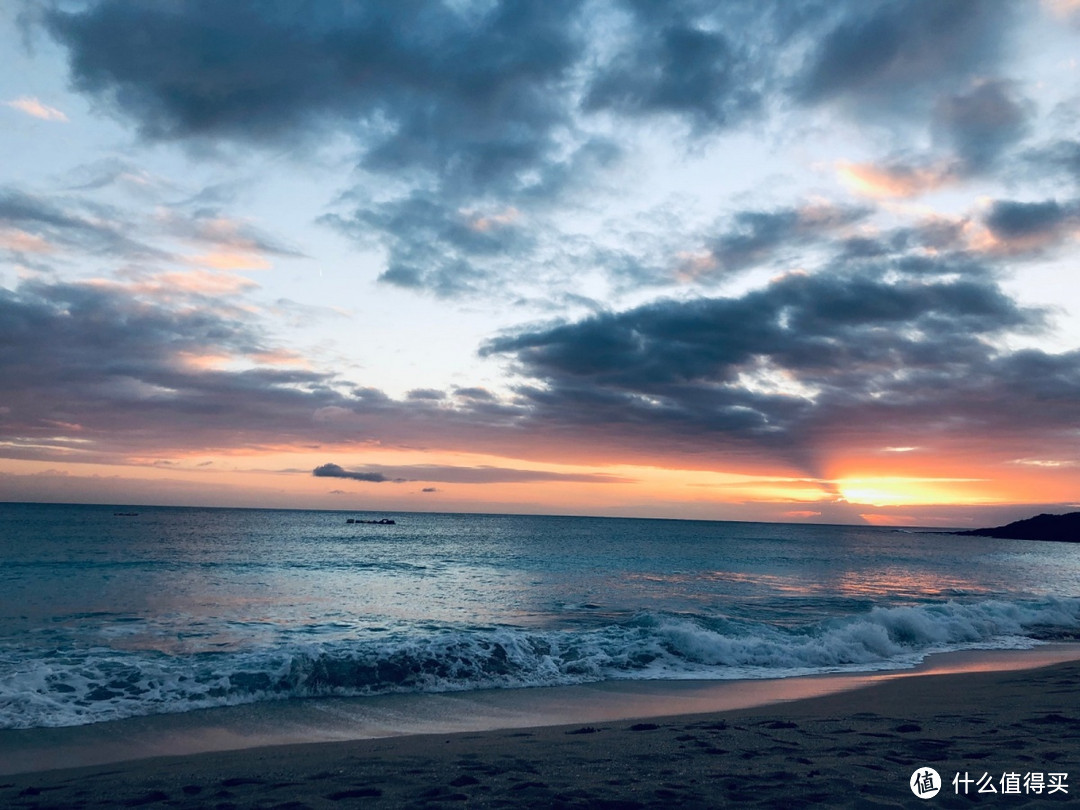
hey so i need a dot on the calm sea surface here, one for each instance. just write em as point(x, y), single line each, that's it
point(105, 616)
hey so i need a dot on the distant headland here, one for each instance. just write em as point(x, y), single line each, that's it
point(1060, 528)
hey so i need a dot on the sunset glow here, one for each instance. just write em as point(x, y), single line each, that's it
point(675, 260)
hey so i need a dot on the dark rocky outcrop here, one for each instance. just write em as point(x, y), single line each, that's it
point(1061, 528)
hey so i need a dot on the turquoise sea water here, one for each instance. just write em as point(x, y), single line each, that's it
point(106, 615)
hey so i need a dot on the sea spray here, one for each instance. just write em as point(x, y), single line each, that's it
point(76, 686)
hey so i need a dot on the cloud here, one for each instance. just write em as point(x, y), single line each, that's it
point(130, 372)
point(470, 118)
point(672, 63)
point(475, 150)
point(780, 373)
point(426, 394)
point(447, 87)
point(35, 228)
point(984, 122)
point(455, 89)
point(116, 171)
point(474, 143)
point(227, 243)
point(976, 127)
point(438, 245)
point(31, 106)
point(449, 239)
point(892, 57)
point(71, 223)
point(334, 471)
point(755, 237)
point(227, 235)
point(461, 475)
point(1026, 226)
point(1063, 155)
point(809, 361)
point(1010, 219)
point(109, 374)
point(895, 179)
point(1064, 9)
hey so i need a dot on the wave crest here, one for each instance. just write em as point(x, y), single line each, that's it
point(73, 687)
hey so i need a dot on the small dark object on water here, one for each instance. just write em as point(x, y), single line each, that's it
point(125, 514)
point(383, 522)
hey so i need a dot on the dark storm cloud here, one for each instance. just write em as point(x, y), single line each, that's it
point(806, 358)
point(377, 473)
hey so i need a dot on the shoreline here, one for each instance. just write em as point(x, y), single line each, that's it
point(849, 748)
point(253, 730)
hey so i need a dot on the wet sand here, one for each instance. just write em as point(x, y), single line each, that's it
point(856, 748)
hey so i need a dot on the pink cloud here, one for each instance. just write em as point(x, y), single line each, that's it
point(894, 181)
point(31, 106)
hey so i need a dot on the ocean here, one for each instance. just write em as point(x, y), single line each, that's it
point(109, 612)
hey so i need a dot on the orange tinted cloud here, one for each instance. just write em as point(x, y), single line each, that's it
point(483, 224)
point(1063, 8)
point(230, 244)
point(200, 282)
point(23, 242)
point(280, 357)
point(31, 106)
point(203, 362)
point(893, 181)
point(692, 266)
point(231, 260)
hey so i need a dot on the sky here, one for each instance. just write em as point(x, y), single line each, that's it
point(787, 260)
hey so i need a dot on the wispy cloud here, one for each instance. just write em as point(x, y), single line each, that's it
point(895, 180)
point(32, 106)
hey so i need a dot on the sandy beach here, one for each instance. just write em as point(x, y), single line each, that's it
point(855, 748)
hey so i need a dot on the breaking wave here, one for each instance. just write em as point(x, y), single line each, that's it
point(76, 686)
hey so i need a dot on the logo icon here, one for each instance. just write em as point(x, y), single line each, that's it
point(925, 783)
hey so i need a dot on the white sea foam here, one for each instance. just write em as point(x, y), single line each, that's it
point(72, 687)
